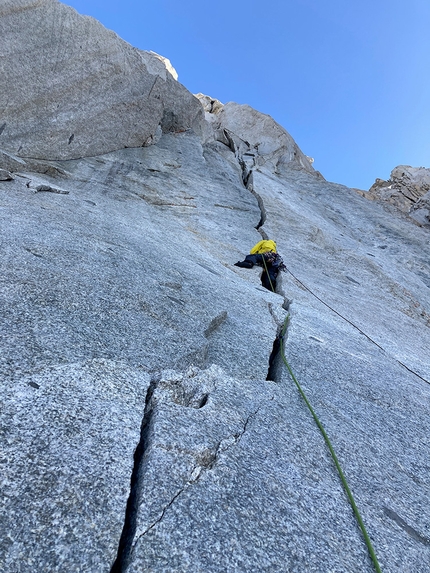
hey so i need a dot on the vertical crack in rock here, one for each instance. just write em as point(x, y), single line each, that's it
point(247, 166)
point(275, 364)
point(263, 214)
point(273, 373)
point(222, 446)
point(274, 370)
point(248, 182)
point(246, 171)
point(130, 521)
point(230, 141)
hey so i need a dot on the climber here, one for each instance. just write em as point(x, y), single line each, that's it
point(264, 254)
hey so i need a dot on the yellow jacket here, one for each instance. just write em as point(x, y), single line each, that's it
point(263, 247)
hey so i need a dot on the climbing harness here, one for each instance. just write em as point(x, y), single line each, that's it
point(267, 272)
point(330, 447)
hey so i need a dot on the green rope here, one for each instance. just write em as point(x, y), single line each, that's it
point(267, 272)
point(333, 455)
point(326, 438)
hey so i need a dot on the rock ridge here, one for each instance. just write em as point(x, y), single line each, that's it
point(256, 137)
point(408, 189)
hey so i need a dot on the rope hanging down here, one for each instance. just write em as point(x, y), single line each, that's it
point(332, 452)
point(267, 272)
point(327, 441)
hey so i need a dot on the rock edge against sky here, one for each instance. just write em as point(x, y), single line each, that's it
point(139, 429)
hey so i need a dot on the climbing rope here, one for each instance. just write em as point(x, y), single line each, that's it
point(267, 272)
point(330, 447)
point(355, 326)
point(324, 433)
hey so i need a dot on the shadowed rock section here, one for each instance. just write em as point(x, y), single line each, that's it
point(130, 521)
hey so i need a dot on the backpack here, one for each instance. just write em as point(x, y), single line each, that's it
point(263, 247)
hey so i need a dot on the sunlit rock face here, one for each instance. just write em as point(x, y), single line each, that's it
point(421, 210)
point(93, 92)
point(408, 190)
point(255, 136)
point(146, 423)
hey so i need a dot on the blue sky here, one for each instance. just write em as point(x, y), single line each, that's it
point(349, 81)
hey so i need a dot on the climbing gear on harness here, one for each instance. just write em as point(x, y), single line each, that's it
point(267, 273)
point(264, 254)
point(330, 447)
point(263, 247)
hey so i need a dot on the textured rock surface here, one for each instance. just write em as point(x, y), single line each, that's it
point(93, 92)
point(255, 137)
point(5, 175)
point(68, 436)
point(244, 483)
point(136, 415)
point(160, 225)
point(421, 210)
point(134, 264)
point(408, 189)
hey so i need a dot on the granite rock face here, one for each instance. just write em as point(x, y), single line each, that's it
point(421, 210)
point(93, 92)
point(255, 137)
point(131, 264)
point(146, 423)
point(68, 437)
point(408, 189)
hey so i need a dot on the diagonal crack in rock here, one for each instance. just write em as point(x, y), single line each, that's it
point(198, 471)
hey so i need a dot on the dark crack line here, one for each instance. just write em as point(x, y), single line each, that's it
point(152, 88)
point(273, 372)
point(263, 213)
point(264, 236)
point(247, 177)
point(237, 438)
point(245, 172)
point(130, 521)
point(245, 427)
point(204, 469)
point(358, 328)
point(230, 141)
point(406, 527)
point(411, 201)
point(163, 512)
